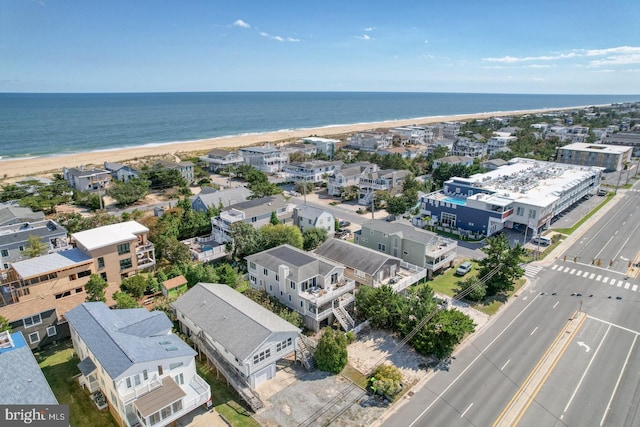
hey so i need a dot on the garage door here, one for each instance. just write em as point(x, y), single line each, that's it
point(262, 376)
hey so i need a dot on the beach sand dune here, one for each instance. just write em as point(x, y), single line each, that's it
point(16, 168)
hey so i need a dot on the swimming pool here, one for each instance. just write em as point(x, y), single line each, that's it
point(455, 201)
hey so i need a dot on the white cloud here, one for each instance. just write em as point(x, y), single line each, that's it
point(278, 38)
point(426, 41)
point(240, 23)
point(513, 59)
point(370, 29)
point(537, 79)
point(604, 71)
point(263, 34)
point(291, 39)
point(364, 37)
point(633, 58)
point(620, 49)
point(538, 66)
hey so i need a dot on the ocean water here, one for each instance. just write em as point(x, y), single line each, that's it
point(57, 124)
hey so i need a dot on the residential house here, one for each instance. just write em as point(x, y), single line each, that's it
point(256, 212)
point(184, 168)
point(83, 179)
point(325, 146)
point(313, 286)
point(121, 172)
point(369, 267)
point(348, 175)
point(215, 316)
point(36, 293)
point(14, 239)
point(370, 141)
point(221, 198)
point(450, 130)
point(468, 148)
point(306, 217)
point(315, 172)
point(21, 380)
point(119, 250)
point(14, 214)
point(268, 159)
point(493, 164)
point(382, 180)
point(499, 141)
point(415, 135)
point(413, 245)
point(407, 152)
point(303, 150)
point(453, 160)
point(174, 287)
point(218, 160)
point(146, 374)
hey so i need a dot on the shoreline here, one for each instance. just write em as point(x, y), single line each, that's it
point(12, 168)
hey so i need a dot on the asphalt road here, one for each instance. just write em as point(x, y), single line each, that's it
point(596, 379)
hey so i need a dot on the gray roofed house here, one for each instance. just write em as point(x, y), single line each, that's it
point(313, 286)
point(21, 380)
point(413, 245)
point(86, 179)
point(369, 267)
point(121, 172)
point(216, 315)
point(305, 217)
point(226, 198)
point(14, 214)
point(14, 239)
point(218, 159)
point(145, 372)
point(51, 262)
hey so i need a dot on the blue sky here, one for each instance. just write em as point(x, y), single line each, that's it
point(554, 47)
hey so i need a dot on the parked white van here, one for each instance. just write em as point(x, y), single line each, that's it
point(541, 240)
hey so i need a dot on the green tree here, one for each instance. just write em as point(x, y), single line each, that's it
point(397, 205)
point(502, 264)
point(4, 324)
point(386, 380)
point(134, 285)
point(162, 178)
point(442, 333)
point(271, 236)
point(127, 193)
point(124, 300)
point(35, 247)
point(331, 352)
point(313, 237)
point(382, 306)
point(244, 240)
point(478, 289)
point(93, 201)
point(175, 251)
point(227, 275)
point(274, 218)
point(95, 288)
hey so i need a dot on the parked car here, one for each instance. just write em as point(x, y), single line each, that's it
point(343, 223)
point(602, 192)
point(541, 240)
point(464, 268)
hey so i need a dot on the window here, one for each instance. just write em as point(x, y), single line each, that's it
point(293, 285)
point(84, 273)
point(179, 379)
point(382, 247)
point(175, 365)
point(21, 248)
point(177, 406)
point(165, 412)
point(277, 278)
point(520, 211)
point(125, 263)
point(123, 248)
point(51, 331)
point(261, 356)
point(128, 382)
point(154, 418)
point(34, 337)
point(532, 213)
point(405, 253)
point(265, 271)
point(359, 273)
point(448, 219)
point(289, 297)
point(5, 252)
point(32, 321)
point(103, 276)
point(252, 265)
point(160, 370)
point(254, 219)
point(101, 262)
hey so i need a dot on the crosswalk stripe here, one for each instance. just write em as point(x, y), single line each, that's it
point(626, 285)
point(634, 288)
point(568, 268)
point(573, 270)
point(599, 277)
point(586, 273)
point(554, 266)
point(619, 283)
point(592, 275)
point(605, 280)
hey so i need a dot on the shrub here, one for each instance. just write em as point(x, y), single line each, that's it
point(386, 380)
point(331, 352)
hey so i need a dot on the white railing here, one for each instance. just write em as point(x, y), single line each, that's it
point(142, 389)
point(323, 296)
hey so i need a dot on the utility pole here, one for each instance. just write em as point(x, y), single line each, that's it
point(373, 205)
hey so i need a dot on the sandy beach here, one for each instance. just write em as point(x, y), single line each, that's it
point(15, 169)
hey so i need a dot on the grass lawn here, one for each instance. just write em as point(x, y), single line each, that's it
point(59, 367)
point(491, 305)
point(447, 283)
point(225, 400)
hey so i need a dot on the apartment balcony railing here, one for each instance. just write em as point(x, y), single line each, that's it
point(136, 392)
point(319, 296)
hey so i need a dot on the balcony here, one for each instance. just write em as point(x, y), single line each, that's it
point(319, 296)
point(145, 256)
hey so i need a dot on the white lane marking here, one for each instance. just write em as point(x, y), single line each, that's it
point(605, 280)
point(534, 331)
point(481, 354)
point(586, 273)
point(568, 268)
point(634, 288)
point(615, 389)
point(557, 302)
point(614, 325)
point(599, 277)
point(505, 365)
point(465, 411)
point(619, 283)
point(626, 285)
point(573, 270)
point(592, 275)
point(554, 266)
point(584, 374)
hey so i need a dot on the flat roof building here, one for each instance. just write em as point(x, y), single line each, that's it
point(610, 157)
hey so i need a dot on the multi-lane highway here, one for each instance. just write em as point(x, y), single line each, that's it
point(595, 380)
